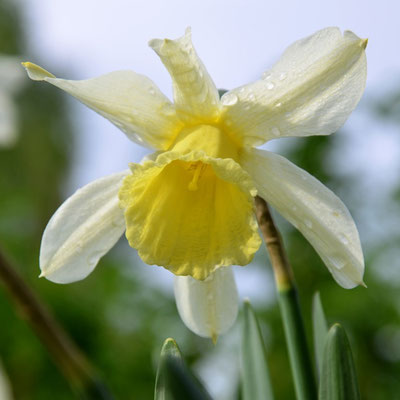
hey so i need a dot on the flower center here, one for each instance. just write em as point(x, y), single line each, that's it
point(214, 141)
point(190, 213)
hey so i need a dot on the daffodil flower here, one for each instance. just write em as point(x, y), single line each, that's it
point(189, 206)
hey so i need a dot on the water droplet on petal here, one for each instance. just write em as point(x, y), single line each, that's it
point(278, 104)
point(282, 76)
point(251, 96)
point(229, 99)
point(337, 262)
point(343, 239)
point(266, 75)
point(270, 86)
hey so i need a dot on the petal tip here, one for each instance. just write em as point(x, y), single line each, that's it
point(364, 43)
point(35, 72)
point(188, 31)
point(156, 44)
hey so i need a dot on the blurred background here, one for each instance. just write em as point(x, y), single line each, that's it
point(50, 145)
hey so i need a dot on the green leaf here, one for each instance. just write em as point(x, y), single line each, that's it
point(320, 328)
point(296, 341)
point(255, 376)
point(174, 381)
point(338, 377)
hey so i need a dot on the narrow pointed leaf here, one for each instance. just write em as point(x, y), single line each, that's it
point(255, 376)
point(338, 377)
point(320, 328)
point(174, 381)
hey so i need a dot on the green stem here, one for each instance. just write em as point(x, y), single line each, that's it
point(300, 360)
point(69, 359)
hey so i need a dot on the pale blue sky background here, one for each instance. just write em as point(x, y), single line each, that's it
point(237, 41)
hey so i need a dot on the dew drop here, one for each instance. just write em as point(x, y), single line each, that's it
point(278, 104)
point(337, 262)
point(343, 239)
point(282, 76)
point(266, 75)
point(270, 86)
point(242, 90)
point(275, 131)
point(229, 99)
point(168, 110)
point(251, 96)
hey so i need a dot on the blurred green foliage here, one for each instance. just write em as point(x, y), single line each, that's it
point(118, 321)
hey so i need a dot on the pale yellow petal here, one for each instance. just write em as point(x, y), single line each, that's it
point(82, 230)
point(311, 90)
point(313, 209)
point(130, 101)
point(195, 94)
point(190, 213)
point(208, 308)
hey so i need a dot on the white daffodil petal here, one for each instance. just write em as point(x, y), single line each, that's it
point(82, 230)
point(311, 90)
point(195, 93)
point(130, 101)
point(209, 307)
point(313, 209)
